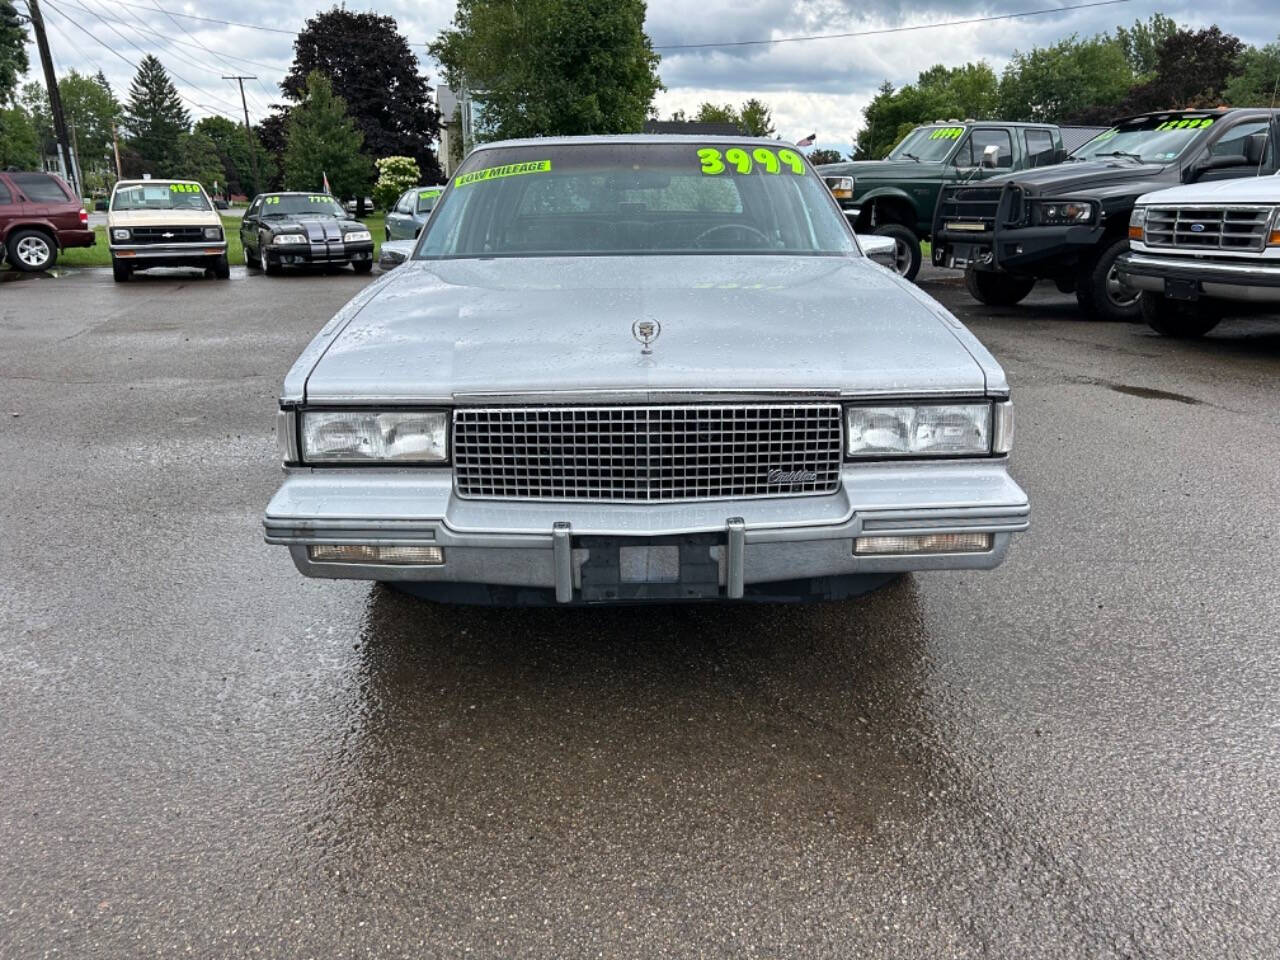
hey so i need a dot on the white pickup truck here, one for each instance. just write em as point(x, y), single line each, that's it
point(1195, 249)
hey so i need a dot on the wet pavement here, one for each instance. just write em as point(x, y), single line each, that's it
point(204, 754)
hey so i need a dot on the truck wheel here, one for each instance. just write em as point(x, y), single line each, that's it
point(32, 250)
point(1099, 291)
point(120, 272)
point(362, 266)
point(997, 289)
point(1175, 318)
point(221, 268)
point(906, 259)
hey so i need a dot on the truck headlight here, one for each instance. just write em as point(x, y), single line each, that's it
point(841, 187)
point(119, 233)
point(355, 236)
point(935, 430)
point(213, 233)
point(371, 436)
point(1065, 212)
point(1138, 223)
point(288, 238)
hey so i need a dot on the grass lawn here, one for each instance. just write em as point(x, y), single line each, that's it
point(99, 256)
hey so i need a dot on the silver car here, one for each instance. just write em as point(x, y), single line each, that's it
point(633, 369)
point(407, 215)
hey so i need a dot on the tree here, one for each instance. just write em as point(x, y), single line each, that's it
point(199, 161)
point(155, 117)
point(939, 92)
point(550, 67)
point(19, 142)
point(322, 141)
point(91, 108)
point(273, 134)
point(1257, 80)
point(823, 155)
point(395, 176)
point(233, 153)
point(13, 50)
point(755, 119)
point(34, 102)
point(373, 69)
point(1051, 84)
point(1142, 42)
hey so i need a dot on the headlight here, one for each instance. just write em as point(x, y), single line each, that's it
point(213, 233)
point(841, 187)
point(1138, 223)
point(1065, 212)
point(357, 235)
point(367, 436)
point(119, 234)
point(287, 238)
point(960, 429)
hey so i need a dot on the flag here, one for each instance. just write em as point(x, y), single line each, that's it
point(807, 141)
point(325, 177)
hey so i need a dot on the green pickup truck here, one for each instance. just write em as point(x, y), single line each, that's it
point(895, 197)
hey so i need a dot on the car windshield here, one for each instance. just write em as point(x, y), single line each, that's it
point(293, 204)
point(1156, 139)
point(679, 197)
point(427, 198)
point(927, 144)
point(159, 196)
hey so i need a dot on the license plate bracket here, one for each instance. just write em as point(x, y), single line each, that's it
point(605, 581)
point(1176, 289)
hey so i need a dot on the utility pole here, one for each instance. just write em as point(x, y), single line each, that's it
point(248, 133)
point(55, 97)
point(115, 146)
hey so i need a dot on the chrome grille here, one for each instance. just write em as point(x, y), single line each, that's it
point(974, 208)
point(647, 453)
point(1241, 228)
point(175, 234)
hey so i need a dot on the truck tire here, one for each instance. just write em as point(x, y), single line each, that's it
point(906, 259)
point(32, 250)
point(120, 272)
point(221, 268)
point(997, 289)
point(1099, 291)
point(1176, 318)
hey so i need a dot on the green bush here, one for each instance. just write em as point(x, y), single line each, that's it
point(395, 176)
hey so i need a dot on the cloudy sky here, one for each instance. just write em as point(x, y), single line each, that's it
point(818, 86)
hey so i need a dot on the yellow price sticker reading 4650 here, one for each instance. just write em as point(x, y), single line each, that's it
point(739, 160)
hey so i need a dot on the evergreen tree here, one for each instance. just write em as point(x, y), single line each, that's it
point(155, 117)
point(322, 140)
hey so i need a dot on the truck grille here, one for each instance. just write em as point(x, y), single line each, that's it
point(1208, 228)
point(975, 207)
point(175, 234)
point(647, 454)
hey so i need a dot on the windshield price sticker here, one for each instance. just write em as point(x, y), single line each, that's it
point(510, 170)
point(947, 133)
point(428, 194)
point(1191, 123)
point(270, 200)
point(184, 188)
point(318, 199)
point(714, 162)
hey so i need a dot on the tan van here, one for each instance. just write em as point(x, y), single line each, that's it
point(164, 223)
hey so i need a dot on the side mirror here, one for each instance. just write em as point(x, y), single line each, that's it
point(990, 156)
point(1254, 149)
point(1222, 162)
point(883, 250)
point(394, 253)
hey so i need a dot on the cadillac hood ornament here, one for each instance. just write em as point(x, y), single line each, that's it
point(646, 331)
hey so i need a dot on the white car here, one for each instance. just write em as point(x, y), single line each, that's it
point(1194, 249)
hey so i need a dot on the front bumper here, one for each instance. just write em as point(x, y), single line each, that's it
point(170, 254)
point(1223, 280)
point(545, 544)
point(1034, 251)
point(306, 254)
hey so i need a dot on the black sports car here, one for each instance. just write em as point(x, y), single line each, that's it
point(303, 229)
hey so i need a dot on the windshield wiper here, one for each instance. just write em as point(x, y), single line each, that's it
point(911, 156)
point(1122, 153)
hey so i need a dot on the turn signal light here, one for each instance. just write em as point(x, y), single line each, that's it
point(1135, 233)
point(1274, 239)
point(360, 553)
point(931, 543)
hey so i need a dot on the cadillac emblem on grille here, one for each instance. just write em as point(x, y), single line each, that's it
point(777, 475)
point(646, 331)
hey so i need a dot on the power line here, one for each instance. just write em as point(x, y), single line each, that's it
point(882, 30)
point(225, 23)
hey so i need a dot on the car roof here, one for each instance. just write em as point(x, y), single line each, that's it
point(295, 193)
point(129, 183)
point(1203, 112)
point(631, 138)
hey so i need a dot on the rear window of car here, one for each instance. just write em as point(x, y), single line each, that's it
point(40, 188)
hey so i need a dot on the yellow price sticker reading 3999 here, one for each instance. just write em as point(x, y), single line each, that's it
point(739, 160)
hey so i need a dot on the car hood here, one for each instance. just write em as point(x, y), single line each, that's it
point(1246, 190)
point(436, 329)
point(1087, 179)
point(163, 218)
point(883, 170)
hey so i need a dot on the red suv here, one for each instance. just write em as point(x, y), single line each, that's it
point(39, 216)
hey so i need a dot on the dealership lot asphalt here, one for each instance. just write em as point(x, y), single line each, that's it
point(1076, 755)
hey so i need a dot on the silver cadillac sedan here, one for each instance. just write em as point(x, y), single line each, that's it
point(642, 369)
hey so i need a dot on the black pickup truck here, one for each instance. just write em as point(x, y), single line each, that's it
point(1069, 223)
point(895, 197)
